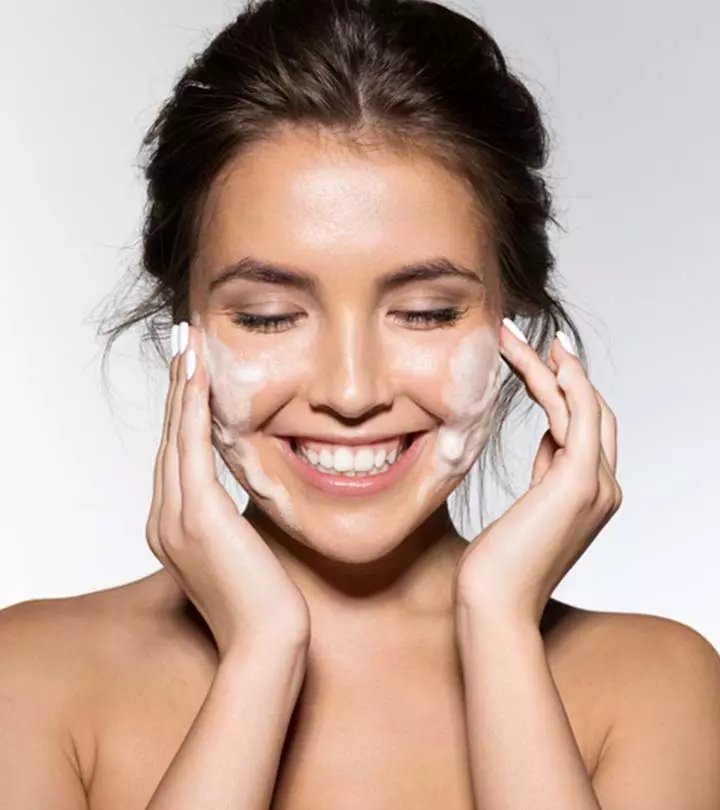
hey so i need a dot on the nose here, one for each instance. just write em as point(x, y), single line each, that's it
point(350, 376)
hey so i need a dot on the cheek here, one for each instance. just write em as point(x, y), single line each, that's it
point(249, 384)
point(469, 395)
point(472, 371)
point(457, 380)
point(449, 378)
point(420, 371)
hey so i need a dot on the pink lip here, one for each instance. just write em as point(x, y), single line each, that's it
point(359, 486)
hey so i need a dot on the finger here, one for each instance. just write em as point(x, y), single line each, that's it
point(608, 423)
point(608, 432)
point(609, 491)
point(152, 524)
point(195, 451)
point(168, 404)
point(543, 458)
point(171, 476)
point(582, 446)
point(539, 380)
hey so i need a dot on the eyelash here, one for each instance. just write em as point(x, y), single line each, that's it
point(427, 319)
point(430, 318)
point(266, 323)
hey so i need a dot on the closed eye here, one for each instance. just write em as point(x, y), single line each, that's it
point(430, 318)
point(267, 323)
point(415, 319)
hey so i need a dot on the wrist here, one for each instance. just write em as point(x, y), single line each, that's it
point(276, 648)
point(480, 624)
point(275, 671)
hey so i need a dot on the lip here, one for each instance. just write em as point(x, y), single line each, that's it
point(359, 486)
point(352, 441)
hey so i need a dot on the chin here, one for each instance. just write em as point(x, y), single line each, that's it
point(355, 539)
point(363, 533)
point(356, 518)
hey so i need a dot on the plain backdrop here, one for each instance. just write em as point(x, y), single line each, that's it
point(629, 88)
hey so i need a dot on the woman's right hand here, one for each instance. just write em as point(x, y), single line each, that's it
point(196, 531)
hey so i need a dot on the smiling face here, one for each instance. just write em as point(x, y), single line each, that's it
point(350, 313)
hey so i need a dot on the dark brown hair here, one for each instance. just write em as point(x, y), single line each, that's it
point(409, 75)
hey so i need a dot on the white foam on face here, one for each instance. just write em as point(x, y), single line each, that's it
point(233, 384)
point(469, 396)
point(240, 452)
point(237, 378)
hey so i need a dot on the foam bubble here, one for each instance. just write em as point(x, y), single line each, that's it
point(469, 396)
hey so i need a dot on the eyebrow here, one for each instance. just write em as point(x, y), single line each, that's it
point(252, 269)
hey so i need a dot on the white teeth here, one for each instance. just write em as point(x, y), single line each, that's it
point(343, 460)
point(364, 460)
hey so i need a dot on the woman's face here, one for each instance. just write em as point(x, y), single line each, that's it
point(349, 305)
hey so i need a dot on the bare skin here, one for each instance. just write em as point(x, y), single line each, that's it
point(131, 665)
point(98, 692)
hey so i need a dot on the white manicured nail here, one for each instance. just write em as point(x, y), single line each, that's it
point(174, 340)
point(566, 343)
point(190, 363)
point(183, 335)
point(514, 329)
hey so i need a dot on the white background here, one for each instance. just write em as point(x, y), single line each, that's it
point(631, 93)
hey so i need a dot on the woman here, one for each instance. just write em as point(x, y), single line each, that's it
point(346, 214)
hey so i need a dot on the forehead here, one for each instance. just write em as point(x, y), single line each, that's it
point(309, 201)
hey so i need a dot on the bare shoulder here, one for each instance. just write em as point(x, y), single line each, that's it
point(40, 672)
point(68, 634)
point(625, 647)
point(60, 656)
point(650, 688)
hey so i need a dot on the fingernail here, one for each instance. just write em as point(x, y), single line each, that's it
point(183, 334)
point(190, 363)
point(566, 343)
point(514, 329)
point(174, 340)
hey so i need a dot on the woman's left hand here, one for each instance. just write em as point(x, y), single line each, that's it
point(517, 561)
